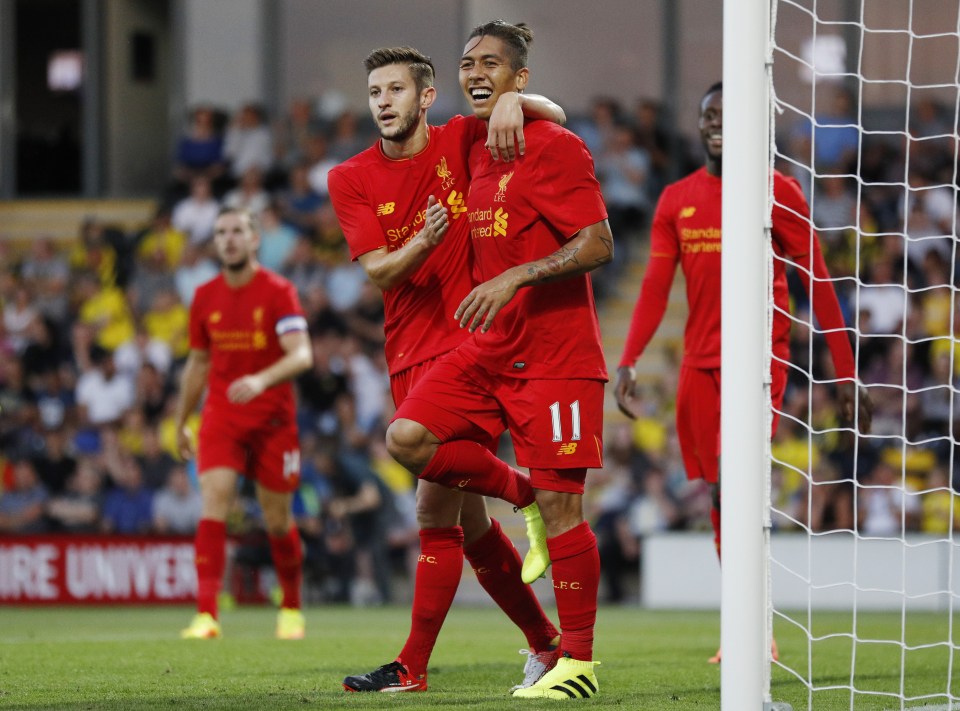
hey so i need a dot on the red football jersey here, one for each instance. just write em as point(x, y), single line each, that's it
point(524, 211)
point(241, 329)
point(687, 230)
point(382, 202)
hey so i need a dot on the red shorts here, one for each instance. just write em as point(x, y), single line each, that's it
point(698, 417)
point(402, 383)
point(267, 453)
point(555, 424)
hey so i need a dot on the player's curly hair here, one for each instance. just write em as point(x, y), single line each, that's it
point(421, 66)
point(516, 37)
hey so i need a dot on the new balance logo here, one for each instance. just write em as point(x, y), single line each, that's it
point(581, 686)
point(687, 212)
point(567, 448)
point(386, 208)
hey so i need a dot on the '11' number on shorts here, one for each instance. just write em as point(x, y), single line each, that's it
point(575, 421)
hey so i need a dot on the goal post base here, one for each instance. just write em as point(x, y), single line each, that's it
point(777, 706)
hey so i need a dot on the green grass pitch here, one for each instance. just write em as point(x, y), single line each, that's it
point(131, 658)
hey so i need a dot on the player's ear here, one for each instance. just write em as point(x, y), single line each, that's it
point(427, 97)
point(523, 76)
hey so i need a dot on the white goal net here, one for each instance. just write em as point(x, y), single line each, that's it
point(864, 555)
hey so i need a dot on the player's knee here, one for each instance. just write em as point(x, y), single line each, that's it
point(408, 443)
point(437, 506)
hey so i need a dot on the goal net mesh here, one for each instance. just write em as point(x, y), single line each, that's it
point(864, 553)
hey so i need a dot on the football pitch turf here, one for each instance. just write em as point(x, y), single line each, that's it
point(131, 658)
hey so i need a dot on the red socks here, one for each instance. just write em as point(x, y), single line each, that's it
point(287, 554)
point(576, 578)
point(439, 569)
point(462, 464)
point(210, 544)
point(497, 565)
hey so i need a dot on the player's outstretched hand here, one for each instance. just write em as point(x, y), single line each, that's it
point(435, 222)
point(479, 307)
point(625, 390)
point(185, 443)
point(505, 128)
point(243, 390)
point(855, 400)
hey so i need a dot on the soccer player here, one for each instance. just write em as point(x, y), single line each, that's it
point(534, 361)
point(401, 204)
point(686, 230)
point(248, 338)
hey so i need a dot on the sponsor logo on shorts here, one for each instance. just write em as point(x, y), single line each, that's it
point(567, 585)
point(567, 448)
point(462, 483)
point(520, 365)
point(482, 570)
point(432, 560)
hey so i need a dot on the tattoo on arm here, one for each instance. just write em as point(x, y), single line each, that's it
point(555, 266)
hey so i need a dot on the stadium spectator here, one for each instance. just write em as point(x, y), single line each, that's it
point(166, 321)
point(887, 506)
point(103, 393)
point(177, 506)
point(691, 206)
point(422, 276)
point(161, 236)
point(54, 463)
point(128, 504)
point(249, 194)
point(277, 238)
point(299, 202)
point(143, 350)
point(77, 508)
point(194, 269)
point(104, 309)
point(320, 161)
point(195, 214)
point(199, 149)
point(247, 340)
point(18, 314)
point(47, 272)
point(151, 277)
point(623, 170)
point(248, 142)
point(156, 464)
point(293, 132)
point(358, 504)
point(22, 507)
point(555, 211)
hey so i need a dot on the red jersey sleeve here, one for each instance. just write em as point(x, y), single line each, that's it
point(792, 230)
point(657, 279)
point(289, 313)
point(199, 338)
point(357, 218)
point(567, 192)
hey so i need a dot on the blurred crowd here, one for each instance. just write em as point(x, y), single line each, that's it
point(94, 334)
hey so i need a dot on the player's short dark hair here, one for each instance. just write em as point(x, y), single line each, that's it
point(242, 212)
point(516, 37)
point(421, 66)
point(714, 88)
